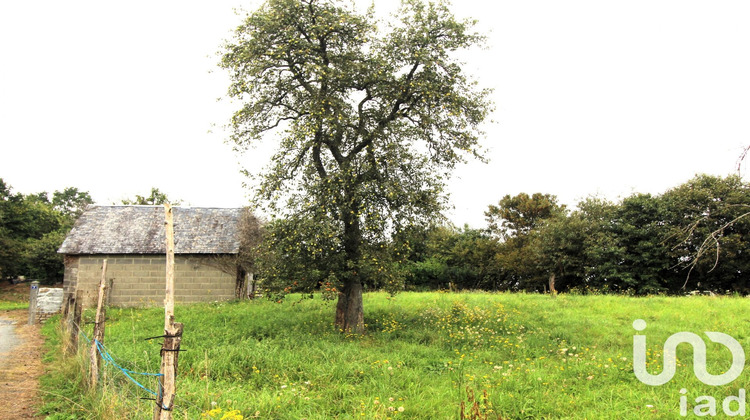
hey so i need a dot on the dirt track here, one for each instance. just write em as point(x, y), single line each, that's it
point(20, 365)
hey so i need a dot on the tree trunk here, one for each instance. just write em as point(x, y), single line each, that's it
point(349, 310)
point(552, 290)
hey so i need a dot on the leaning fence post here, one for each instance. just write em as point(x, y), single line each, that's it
point(32, 301)
point(98, 337)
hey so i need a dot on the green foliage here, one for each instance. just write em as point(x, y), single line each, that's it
point(155, 198)
point(32, 229)
point(448, 257)
point(558, 248)
point(517, 220)
point(299, 252)
point(28, 216)
point(431, 273)
point(300, 256)
point(9, 306)
point(640, 231)
point(691, 237)
point(517, 216)
point(710, 234)
point(536, 358)
point(602, 251)
point(71, 203)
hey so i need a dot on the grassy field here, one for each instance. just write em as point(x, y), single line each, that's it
point(518, 356)
point(13, 296)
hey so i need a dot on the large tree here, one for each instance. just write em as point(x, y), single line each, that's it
point(516, 221)
point(71, 203)
point(518, 215)
point(368, 123)
point(708, 221)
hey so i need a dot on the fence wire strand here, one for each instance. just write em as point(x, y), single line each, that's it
point(109, 359)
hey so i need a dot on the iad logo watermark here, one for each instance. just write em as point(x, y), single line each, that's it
point(706, 404)
point(699, 357)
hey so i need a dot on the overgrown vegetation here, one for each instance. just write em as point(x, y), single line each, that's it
point(518, 356)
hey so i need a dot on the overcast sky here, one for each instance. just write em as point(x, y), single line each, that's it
point(592, 97)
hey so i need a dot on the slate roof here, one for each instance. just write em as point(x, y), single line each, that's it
point(140, 230)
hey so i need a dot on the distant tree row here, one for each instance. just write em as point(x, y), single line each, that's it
point(693, 237)
point(32, 228)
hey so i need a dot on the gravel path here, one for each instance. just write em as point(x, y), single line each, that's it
point(8, 338)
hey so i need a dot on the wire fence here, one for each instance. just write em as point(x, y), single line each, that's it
point(118, 365)
point(110, 360)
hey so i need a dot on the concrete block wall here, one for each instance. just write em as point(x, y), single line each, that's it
point(71, 274)
point(48, 302)
point(139, 280)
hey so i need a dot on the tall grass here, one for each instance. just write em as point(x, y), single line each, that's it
point(518, 356)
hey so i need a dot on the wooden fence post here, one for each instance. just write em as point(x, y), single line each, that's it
point(65, 322)
point(34, 293)
point(98, 328)
point(70, 323)
point(172, 331)
point(77, 317)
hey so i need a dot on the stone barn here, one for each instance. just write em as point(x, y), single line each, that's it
point(132, 239)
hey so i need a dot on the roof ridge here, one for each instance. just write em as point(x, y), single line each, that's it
point(111, 230)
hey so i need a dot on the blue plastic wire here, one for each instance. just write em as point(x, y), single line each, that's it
point(127, 372)
point(107, 357)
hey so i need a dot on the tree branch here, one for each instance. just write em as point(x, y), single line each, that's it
point(712, 240)
point(403, 98)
